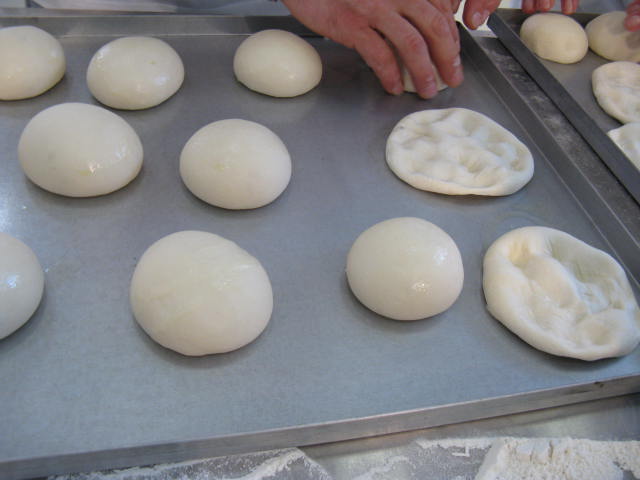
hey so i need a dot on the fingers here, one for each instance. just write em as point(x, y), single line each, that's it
point(532, 6)
point(476, 12)
point(632, 22)
point(380, 58)
point(569, 6)
point(422, 34)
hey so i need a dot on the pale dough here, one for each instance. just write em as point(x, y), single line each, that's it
point(405, 268)
point(79, 150)
point(235, 164)
point(555, 37)
point(627, 138)
point(560, 295)
point(407, 81)
point(133, 73)
point(277, 63)
point(610, 39)
point(21, 284)
point(198, 293)
point(31, 62)
point(616, 86)
point(458, 152)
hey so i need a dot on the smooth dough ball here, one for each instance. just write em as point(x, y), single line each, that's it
point(235, 164)
point(198, 293)
point(405, 269)
point(610, 39)
point(134, 73)
point(616, 86)
point(407, 81)
point(31, 62)
point(277, 63)
point(627, 138)
point(21, 284)
point(79, 150)
point(555, 37)
point(456, 151)
point(560, 295)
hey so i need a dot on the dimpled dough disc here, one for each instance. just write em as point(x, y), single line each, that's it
point(235, 164)
point(79, 150)
point(627, 138)
point(609, 38)
point(277, 63)
point(198, 293)
point(134, 73)
point(405, 269)
point(457, 151)
point(555, 37)
point(21, 284)
point(616, 86)
point(560, 295)
point(31, 62)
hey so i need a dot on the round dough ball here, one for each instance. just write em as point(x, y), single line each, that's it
point(616, 86)
point(555, 37)
point(235, 164)
point(31, 62)
point(21, 284)
point(407, 81)
point(610, 39)
point(277, 63)
point(405, 269)
point(79, 150)
point(627, 138)
point(560, 295)
point(198, 293)
point(457, 151)
point(133, 73)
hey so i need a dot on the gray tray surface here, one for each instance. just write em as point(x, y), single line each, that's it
point(85, 388)
point(569, 86)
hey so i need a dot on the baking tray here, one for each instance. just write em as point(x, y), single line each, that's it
point(569, 86)
point(85, 389)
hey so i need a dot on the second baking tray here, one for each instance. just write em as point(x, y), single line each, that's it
point(569, 86)
point(84, 388)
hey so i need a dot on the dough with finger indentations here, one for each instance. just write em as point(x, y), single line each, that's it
point(609, 38)
point(457, 151)
point(616, 86)
point(560, 295)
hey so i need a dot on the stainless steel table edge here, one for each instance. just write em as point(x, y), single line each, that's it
point(317, 434)
point(608, 151)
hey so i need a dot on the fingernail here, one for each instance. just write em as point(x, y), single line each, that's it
point(632, 22)
point(397, 89)
point(476, 20)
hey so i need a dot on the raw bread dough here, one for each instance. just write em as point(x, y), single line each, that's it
point(133, 73)
point(31, 62)
point(610, 39)
point(21, 284)
point(560, 295)
point(458, 152)
point(408, 82)
point(616, 86)
point(277, 63)
point(405, 268)
point(79, 150)
point(627, 138)
point(235, 164)
point(555, 37)
point(198, 293)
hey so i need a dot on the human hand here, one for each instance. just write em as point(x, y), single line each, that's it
point(632, 22)
point(476, 11)
point(423, 32)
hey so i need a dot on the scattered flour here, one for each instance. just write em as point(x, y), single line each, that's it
point(559, 459)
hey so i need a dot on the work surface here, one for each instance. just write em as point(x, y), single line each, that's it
point(306, 378)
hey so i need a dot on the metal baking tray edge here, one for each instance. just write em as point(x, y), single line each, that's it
point(621, 240)
point(316, 434)
point(608, 151)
